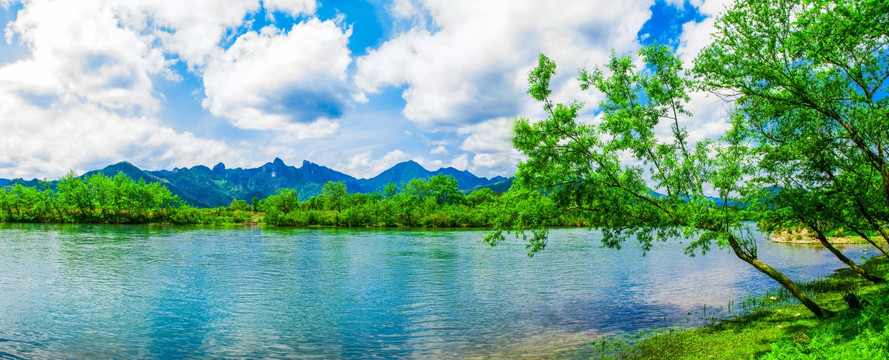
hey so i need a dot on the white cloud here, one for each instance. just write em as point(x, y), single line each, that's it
point(190, 29)
point(439, 150)
point(461, 162)
point(193, 29)
point(491, 141)
point(78, 51)
point(473, 66)
point(48, 142)
point(292, 7)
point(696, 35)
point(272, 79)
point(363, 165)
point(83, 96)
point(320, 128)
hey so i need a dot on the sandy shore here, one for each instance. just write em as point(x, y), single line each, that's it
point(805, 237)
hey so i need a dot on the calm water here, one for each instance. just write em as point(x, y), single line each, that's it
point(147, 292)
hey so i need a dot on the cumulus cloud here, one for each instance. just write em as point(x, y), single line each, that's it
point(364, 165)
point(473, 65)
point(460, 162)
point(192, 29)
point(48, 142)
point(491, 142)
point(439, 150)
point(292, 7)
point(696, 35)
point(271, 79)
point(83, 95)
point(95, 61)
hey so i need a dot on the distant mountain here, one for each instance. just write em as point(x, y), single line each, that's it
point(400, 173)
point(4, 182)
point(499, 184)
point(218, 186)
point(409, 170)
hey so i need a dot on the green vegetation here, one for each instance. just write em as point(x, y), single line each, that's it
point(775, 327)
point(809, 79)
point(97, 199)
point(807, 145)
point(436, 202)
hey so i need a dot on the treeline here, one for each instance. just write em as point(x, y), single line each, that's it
point(96, 199)
point(433, 202)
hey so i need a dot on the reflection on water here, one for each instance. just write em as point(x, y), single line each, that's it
point(149, 292)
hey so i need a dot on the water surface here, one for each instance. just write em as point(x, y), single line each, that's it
point(170, 292)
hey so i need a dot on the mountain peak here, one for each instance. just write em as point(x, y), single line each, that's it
point(408, 164)
point(278, 162)
point(111, 170)
point(219, 169)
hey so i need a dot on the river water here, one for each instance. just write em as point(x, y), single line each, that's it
point(77, 291)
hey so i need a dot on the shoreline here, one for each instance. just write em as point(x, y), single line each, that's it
point(803, 237)
point(777, 329)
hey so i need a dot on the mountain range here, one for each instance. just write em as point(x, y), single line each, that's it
point(218, 186)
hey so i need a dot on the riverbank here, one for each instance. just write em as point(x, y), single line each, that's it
point(804, 237)
point(779, 329)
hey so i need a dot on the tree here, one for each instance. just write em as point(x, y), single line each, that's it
point(658, 194)
point(74, 191)
point(444, 189)
point(335, 194)
point(102, 194)
point(278, 206)
point(809, 80)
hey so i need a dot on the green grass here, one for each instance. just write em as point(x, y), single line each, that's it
point(774, 327)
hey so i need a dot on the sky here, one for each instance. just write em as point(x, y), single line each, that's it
point(354, 85)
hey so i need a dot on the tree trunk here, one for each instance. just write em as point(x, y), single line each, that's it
point(839, 254)
point(780, 278)
point(874, 224)
point(871, 241)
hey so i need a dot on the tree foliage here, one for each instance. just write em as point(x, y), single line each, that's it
point(809, 81)
point(623, 178)
point(96, 199)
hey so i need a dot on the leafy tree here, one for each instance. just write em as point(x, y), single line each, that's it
point(335, 195)
point(277, 207)
point(73, 191)
point(583, 169)
point(390, 190)
point(100, 187)
point(809, 80)
point(444, 189)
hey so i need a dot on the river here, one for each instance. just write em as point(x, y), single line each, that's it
point(79, 291)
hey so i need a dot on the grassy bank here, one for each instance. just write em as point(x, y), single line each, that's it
point(779, 329)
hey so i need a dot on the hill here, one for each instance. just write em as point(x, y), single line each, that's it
point(210, 187)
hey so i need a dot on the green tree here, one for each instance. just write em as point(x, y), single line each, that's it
point(101, 193)
point(444, 189)
point(75, 192)
point(278, 206)
point(5, 205)
point(582, 166)
point(390, 190)
point(335, 195)
point(809, 80)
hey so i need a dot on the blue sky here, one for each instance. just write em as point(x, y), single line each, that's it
point(355, 85)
